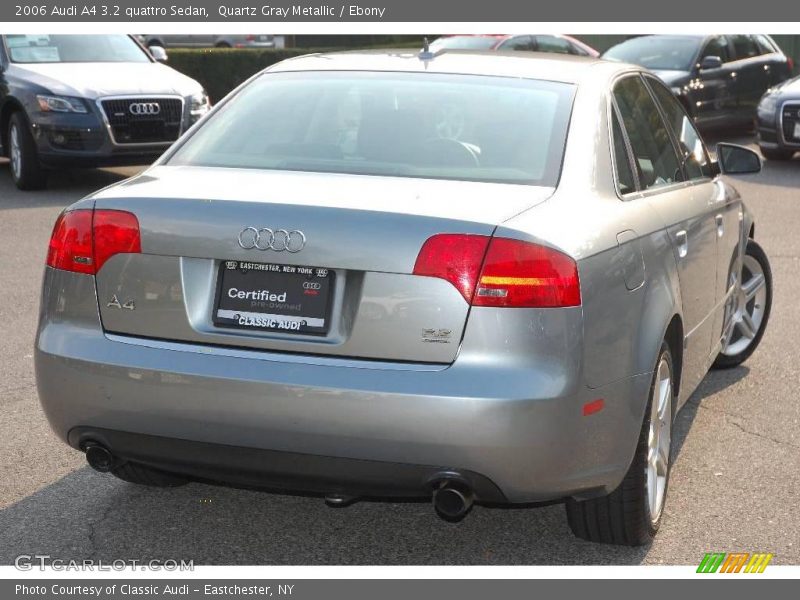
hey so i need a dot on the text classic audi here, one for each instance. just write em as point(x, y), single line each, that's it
point(474, 277)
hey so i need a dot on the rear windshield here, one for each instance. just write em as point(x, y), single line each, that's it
point(473, 128)
point(665, 53)
point(69, 48)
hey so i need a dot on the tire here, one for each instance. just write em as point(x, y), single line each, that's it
point(26, 171)
point(142, 475)
point(736, 349)
point(776, 154)
point(222, 45)
point(624, 516)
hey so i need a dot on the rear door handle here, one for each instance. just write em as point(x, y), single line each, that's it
point(683, 243)
point(720, 225)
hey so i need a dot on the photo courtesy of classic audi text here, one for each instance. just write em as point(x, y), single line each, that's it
point(346, 299)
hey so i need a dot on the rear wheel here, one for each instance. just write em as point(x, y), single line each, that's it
point(631, 514)
point(142, 475)
point(223, 45)
point(777, 154)
point(26, 172)
point(747, 310)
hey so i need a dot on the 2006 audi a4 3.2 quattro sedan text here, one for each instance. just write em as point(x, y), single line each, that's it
point(473, 277)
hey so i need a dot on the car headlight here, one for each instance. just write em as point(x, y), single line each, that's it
point(199, 104)
point(767, 106)
point(63, 104)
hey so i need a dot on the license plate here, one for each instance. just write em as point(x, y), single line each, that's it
point(270, 297)
point(797, 130)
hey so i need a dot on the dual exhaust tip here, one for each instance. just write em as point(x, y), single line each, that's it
point(452, 499)
point(99, 458)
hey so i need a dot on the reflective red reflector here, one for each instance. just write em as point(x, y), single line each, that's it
point(455, 257)
point(592, 407)
point(115, 232)
point(521, 274)
point(71, 243)
point(83, 240)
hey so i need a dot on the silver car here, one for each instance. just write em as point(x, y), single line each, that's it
point(472, 277)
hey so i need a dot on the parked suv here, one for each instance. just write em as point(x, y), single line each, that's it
point(88, 101)
point(719, 79)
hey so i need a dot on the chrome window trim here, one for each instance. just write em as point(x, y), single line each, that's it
point(110, 129)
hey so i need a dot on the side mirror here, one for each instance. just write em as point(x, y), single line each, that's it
point(158, 53)
point(710, 62)
point(737, 160)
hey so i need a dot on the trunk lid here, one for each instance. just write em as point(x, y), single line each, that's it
point(364, 232)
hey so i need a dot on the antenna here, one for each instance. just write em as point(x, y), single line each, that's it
point(426, 53)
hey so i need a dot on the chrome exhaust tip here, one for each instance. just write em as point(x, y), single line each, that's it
point(99, 458)
point(453, 500)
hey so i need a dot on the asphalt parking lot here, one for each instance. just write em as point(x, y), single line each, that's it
point(734, 483)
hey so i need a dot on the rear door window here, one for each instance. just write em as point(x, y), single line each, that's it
point(744, 47)
point(551, 43)
point(622, 160)
point(654, 155)
point(519, 42)
point(695, 158)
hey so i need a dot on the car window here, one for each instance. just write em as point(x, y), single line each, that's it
point(435, 126)
point(622, 161)
point(519, 42)
point(654, 155)
point(763, 44)
point(744, 47)
point(718, 46)
point(463, 42)
point(71, 48)
point(657, 52)
point(551, 43)
point(695, 158)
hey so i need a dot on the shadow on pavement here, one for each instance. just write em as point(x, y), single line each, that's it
point(88, 515)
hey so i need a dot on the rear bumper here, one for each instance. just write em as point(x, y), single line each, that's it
point(272, 469)
point(517, 424)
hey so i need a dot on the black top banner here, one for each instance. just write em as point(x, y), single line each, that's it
point(439, 11)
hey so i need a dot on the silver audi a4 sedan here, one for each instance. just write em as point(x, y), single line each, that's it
point(474, 277)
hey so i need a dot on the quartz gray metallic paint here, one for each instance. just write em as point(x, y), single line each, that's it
point(503, 400)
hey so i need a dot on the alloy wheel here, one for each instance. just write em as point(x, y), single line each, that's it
point(15, 153)
point(659, 439)
point(746, 306)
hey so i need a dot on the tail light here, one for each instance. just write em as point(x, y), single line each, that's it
point(84, 239)
point(501, 272)
point(790, 62)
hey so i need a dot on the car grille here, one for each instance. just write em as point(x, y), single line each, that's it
point(791, 116)
point(130, 128)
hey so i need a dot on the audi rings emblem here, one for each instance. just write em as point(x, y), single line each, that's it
point(252, 238)
point(311, 285)
point(145, 108)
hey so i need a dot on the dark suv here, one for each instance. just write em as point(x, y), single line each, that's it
point(718, 78)
point(88, 101)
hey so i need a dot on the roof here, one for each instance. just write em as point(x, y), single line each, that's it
point(530, 65)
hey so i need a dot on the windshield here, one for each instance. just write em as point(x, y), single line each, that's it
point(424, 125)
point(666, 53)
point(73, 49)
point(464, 42)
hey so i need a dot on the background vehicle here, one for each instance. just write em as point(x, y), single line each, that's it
point(490, 277)
point(719, 78)
point(185, 40)
point(560, 44)
point(88, 101)
point(778, 121)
